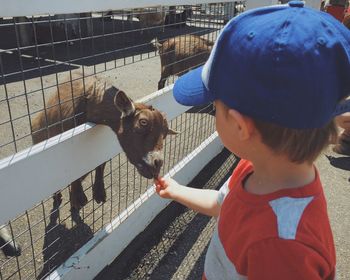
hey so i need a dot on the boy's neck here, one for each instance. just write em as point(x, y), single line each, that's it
point(276, 174)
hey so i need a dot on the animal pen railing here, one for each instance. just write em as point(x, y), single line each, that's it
point(45, 44)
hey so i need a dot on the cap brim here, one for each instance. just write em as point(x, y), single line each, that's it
point(189, 89)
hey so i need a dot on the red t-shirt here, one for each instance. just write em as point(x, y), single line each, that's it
point(336, 11)
point(282, 235)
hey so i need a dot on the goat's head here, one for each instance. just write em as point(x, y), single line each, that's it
point(141, 133)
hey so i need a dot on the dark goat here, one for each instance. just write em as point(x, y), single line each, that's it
point(140, 128)
point(178, 20)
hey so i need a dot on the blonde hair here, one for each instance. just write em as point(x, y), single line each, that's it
point(299, 145)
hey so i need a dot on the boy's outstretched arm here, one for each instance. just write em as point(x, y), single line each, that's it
point(199, 200)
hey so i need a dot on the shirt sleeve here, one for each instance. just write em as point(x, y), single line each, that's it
point(286, 259)
point(223, 191)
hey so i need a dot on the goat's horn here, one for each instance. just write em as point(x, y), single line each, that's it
point(172, 132)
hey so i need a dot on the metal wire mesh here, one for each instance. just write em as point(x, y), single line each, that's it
point(177, 243)
point(41, 53)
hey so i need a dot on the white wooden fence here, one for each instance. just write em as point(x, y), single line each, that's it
point(34, 174)
point(42, 169)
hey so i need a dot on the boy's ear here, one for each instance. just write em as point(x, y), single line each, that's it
point(244, 125)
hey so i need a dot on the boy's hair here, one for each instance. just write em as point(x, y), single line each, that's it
point(299, 145)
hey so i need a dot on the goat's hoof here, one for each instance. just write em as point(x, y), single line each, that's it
point(99, 192)
point(57, 199)
point(7, 244)
point(78, 199)
point(11, 249)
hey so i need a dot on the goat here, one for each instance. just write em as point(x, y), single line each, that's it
point(7, 244)
point(149, 17)
point(140, 128)
point(179, 54)
point(178, 20)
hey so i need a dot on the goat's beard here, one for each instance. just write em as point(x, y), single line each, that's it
point(147, 171)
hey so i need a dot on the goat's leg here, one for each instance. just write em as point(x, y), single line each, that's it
point(98, 189)
point(161, 83)
point(7, 244)
point(78, 198)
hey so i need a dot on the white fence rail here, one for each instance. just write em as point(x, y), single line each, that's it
point(38, 7)
point(45, 168)
point(107, 244)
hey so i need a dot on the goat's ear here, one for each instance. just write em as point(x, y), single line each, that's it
point(124, 104)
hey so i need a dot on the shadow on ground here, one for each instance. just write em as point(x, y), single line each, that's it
point(342, 162)
point(58, 242)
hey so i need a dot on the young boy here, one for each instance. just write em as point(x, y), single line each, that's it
point(276, 76)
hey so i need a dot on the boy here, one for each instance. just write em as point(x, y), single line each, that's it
point(276, 76)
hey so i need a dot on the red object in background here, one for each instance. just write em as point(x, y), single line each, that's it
point(347, 11)
point(336, 11)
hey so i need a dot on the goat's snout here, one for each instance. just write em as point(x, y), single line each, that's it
point(158, 163)
point(150, 165)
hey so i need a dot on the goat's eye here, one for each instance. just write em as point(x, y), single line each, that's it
point(143, 122)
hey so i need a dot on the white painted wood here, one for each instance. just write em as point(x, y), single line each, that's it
point(252, 4)
point(39, 7)
point(107, 244)
point(316, 4)
point(164, 101)
point(47, 167)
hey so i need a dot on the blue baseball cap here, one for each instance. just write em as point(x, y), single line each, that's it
point(284, 64)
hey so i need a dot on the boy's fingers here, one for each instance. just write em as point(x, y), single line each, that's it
point(158, 185)
point(160, 182)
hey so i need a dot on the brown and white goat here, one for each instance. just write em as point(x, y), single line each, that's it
point(180, 54)
point(140, 128)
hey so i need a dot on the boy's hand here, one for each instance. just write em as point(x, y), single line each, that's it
point(166, 188)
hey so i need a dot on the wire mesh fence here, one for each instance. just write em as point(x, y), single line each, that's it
point(178, 239)
point(42, 52)
point(138, 50)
